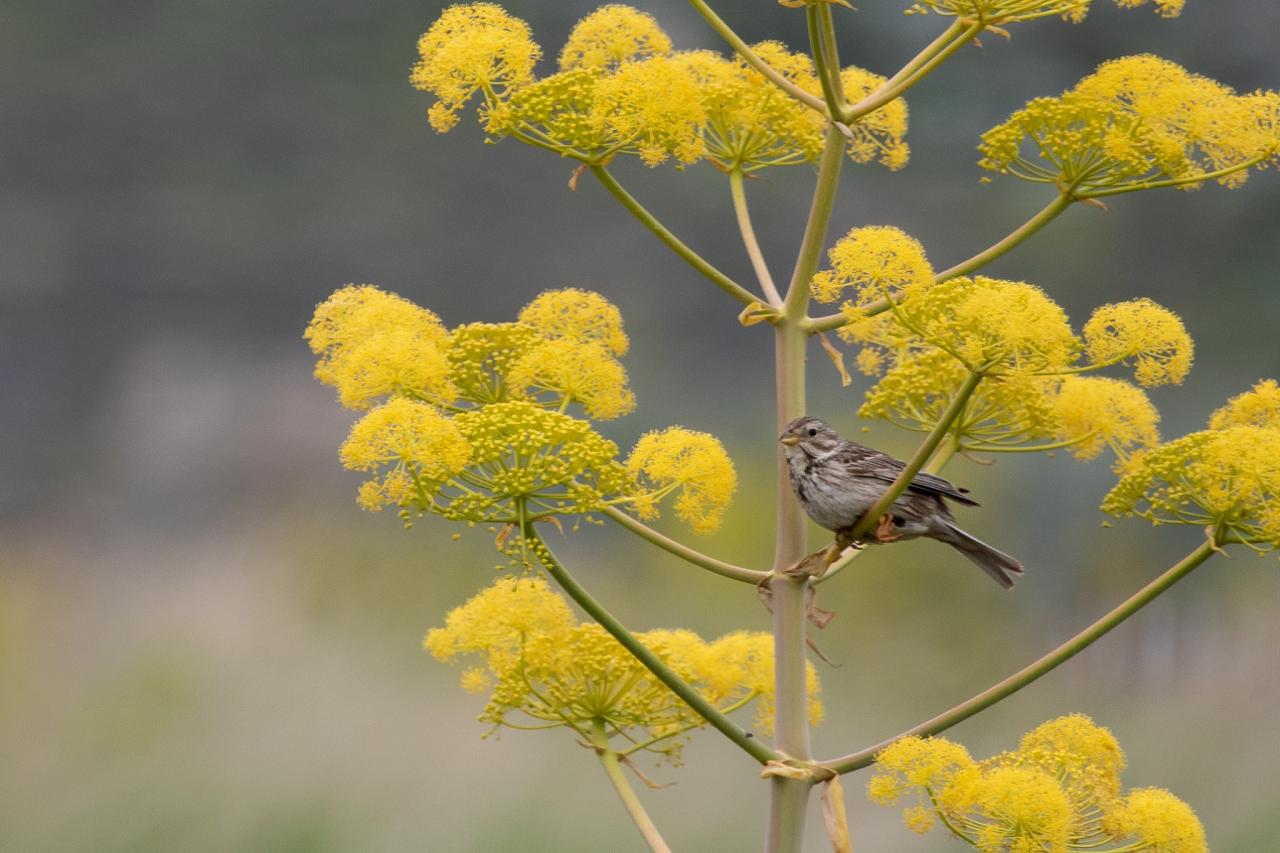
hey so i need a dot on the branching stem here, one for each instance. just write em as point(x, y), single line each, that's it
point(753, 747)
point(921, 456)
point(684, 552)
point(672, 242)
point(749, 241)
point(1044, 665)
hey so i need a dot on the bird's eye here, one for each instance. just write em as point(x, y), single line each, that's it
point(812, 431)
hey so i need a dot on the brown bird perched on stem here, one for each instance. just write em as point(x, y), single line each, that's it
point(837, 481)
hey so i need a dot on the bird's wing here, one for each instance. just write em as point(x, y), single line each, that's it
point(873, 464)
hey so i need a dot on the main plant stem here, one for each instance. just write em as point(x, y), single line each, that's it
point(789, 798)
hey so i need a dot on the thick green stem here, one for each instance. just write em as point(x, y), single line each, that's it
point(757, 750)
point(825, 62)
point(815, 232)
point(673, 242)
point(684, 552)
point(613, 769)
point(922, 456)
point(749, 241)
point(789, 798)
point(1060, 203)
point(1044, 665)
point(753, 59)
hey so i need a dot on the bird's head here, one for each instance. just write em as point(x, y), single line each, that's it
point(809, 435)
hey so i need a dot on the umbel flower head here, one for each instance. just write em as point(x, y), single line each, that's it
point(472, 48)
point(751, 124)
point(475, 424)
point(374, 344)
point(1225, 478)
point(1137, 122)
point(545, 669)
point(1083, 415)
point(1059, 791)
point(1007, 11)
point(622, 90)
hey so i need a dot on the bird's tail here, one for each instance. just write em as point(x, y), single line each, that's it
point(998, 564)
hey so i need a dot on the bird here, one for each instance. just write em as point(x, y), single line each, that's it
point(838, 481)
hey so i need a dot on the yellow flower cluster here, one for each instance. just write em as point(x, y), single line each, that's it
point(751, 124)
point(547, 670)
point(373, 344)
point(473, 48)
point(621, 89)
point(1003, 327)
point(937, 333)
point(1137, 121)
point(996, 12)
point(869, 262)
point(1226, 477)
point(474, 422)
point(1082, 414)
point(694, 464)
point(1059, 792)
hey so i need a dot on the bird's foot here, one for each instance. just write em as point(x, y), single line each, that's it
point(884, 530)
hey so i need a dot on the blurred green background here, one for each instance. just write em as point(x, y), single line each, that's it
point(206, 646)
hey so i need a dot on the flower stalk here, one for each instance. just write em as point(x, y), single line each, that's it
point(1043, 666)
point(753, 747)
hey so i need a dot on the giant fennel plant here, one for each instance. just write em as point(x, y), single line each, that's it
point(498, 424)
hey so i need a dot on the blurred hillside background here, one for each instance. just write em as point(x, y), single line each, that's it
point(206, 646)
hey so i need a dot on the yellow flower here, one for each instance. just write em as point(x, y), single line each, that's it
point(1008, 412)
point(916, 762)
point(1084, 756)
point(1259, 406)
point(522, 453)
point(1097, 412)
point(1059, 791)
point(879, 135)
point(556, 111)
point(574, 371)
point(1020, 809)
point(577, 314)
point(610, 36)
point(993, 325)
point(543, 664)
point(374, 344)
point(470, 48)
point(752, 124)
point(420, 447)
point(1137, 120)
point(651, 107)
point(1228, 477)
point(1151, 336)
point(874, 261)
point(1158, 821)
point(481, 356)
point(695, 464)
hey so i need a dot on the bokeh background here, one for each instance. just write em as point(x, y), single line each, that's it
point(206, 646)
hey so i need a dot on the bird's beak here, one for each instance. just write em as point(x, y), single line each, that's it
point(790, 440)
